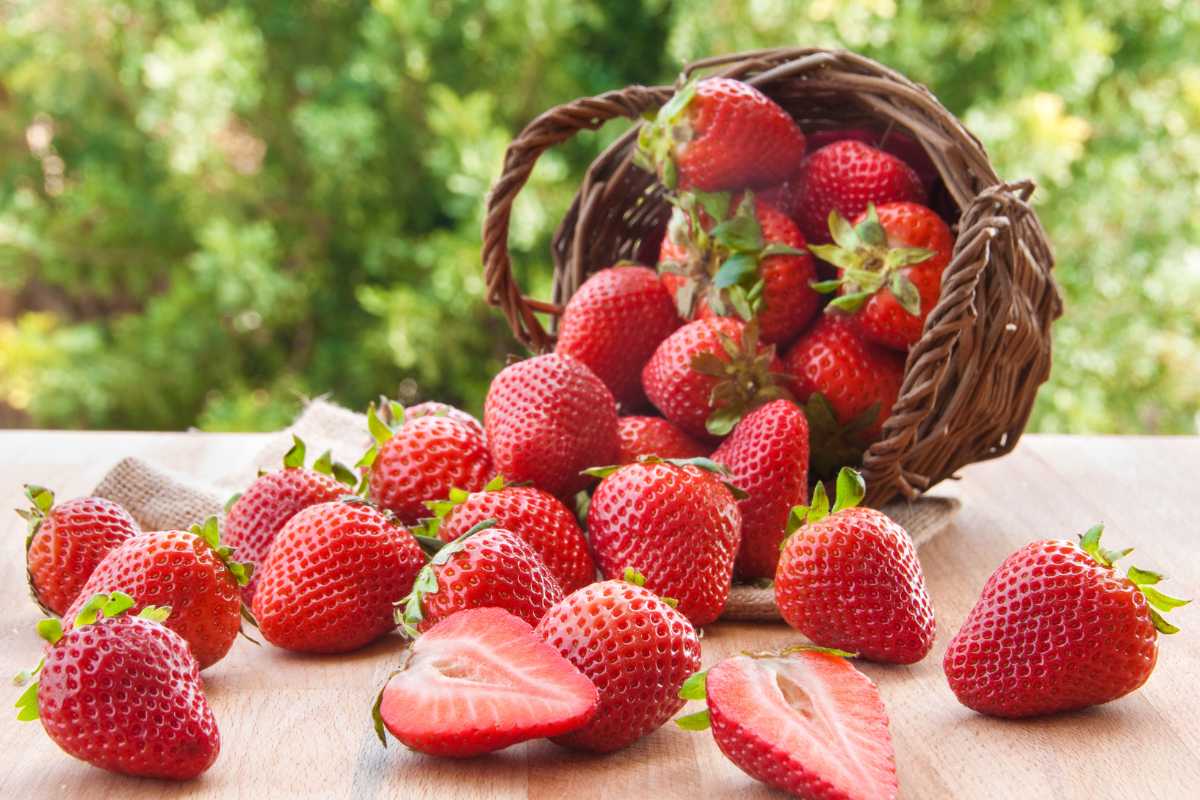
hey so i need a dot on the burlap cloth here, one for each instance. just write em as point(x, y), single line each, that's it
point(160, 498)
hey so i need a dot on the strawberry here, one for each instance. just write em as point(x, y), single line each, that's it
point(655, 436)
point(484, 567)
point(421, 459)
point(256, 515)
point(432, 408)
point(890, 265)
point(548, 418)
point(739, 256)
point(335, 570)
point(849, 578)
point(190, 571)
point(804, 721)
point(634, 647)
point(1056, 629)
point(846, 177)
point(613, 324)
point(709, 373)
point(901, 145)
point(537, 517)
point(123, 692)
point(67, 541)
point(848, 387)
point(719, 133)
point(481, 680)
point(767, 458)
point(675, 523)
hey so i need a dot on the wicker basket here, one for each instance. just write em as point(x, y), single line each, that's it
point(969, 382)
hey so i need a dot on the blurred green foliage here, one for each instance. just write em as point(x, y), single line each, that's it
point(210, 210)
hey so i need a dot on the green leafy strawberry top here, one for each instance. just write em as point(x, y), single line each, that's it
point(1143, 579)
point(850, 490)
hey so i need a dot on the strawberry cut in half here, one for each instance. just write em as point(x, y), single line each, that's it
point(479, 681)
point(803, 720)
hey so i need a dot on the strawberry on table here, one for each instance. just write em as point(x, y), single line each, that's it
point(256, 515)
point(548, 418)
point(332, 577)
point(190, 571)
point(432, 408)
point(1057, 628)
point(655, 436)
point(850, 578)
point(767, 458)
point(478, 681)
point(634, 647)
point(720, 133)
point(804, 721)
point(122, 692)
point(66, 541)
point(890, 264)
point(613, 324)
point(674, 522)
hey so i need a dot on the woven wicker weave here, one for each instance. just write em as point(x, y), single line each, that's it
point(970, 381)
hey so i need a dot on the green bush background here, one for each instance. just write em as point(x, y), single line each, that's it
point(210, 210)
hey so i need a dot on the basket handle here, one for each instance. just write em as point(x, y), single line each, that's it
point(553, 127)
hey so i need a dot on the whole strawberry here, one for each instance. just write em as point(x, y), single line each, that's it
point(674, 522)
point(67, 541)
point(422, 459)
point(655, 436)
point(332, 576)
point(190, 571)
point(890, 265)
point(539, 518)
point(901, 145)
point(846, 177)
point(432, 408)
point(850, 579)
point(710, 373)
point(634, 647)
point(123, 692)
point(767, 458)
point(613, 324)
point(718, 134)
point(486, 567)
point(548, 418)
point(256, 515)
point(1057, 628)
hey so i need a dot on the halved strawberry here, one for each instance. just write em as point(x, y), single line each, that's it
point(479, 681)
point(803, 720)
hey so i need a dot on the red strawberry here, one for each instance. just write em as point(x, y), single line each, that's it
point(485, 567)
point(709, 373)
point(256, 515)
point(890, 266)
point(432, 408)
point(718, 134)
point(548, 418)
point(422, 459)
point(902, 146)
point(767, 458)
point(848, 386)
point(1057, 629)
point(123, 692)
point(332, 576)
point(655, 436)
point(190, 571)
point(634, 647)
point(675, 523)
point(804, 721)
point(850, 579)
point(613, 324)
point(740, 256)
point(784, 196)
point(539, 518)
point(67, 541)
point(846, 177)
point(479, 681)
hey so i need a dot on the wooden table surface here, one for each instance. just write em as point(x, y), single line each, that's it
point(294, 726)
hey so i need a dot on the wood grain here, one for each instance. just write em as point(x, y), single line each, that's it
point(299, 727)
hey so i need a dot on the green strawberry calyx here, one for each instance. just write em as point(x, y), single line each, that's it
point(381, 430)
point(744, 380)
point(634, 577)
point(41, 502)
point(851, 489)
point(1143, 579)
point(833, 444)
point(51, 629)
point(408, 611)
point(662, 133)
point(868, 264)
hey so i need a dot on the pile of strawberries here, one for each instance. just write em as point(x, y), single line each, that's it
point(553, 564)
